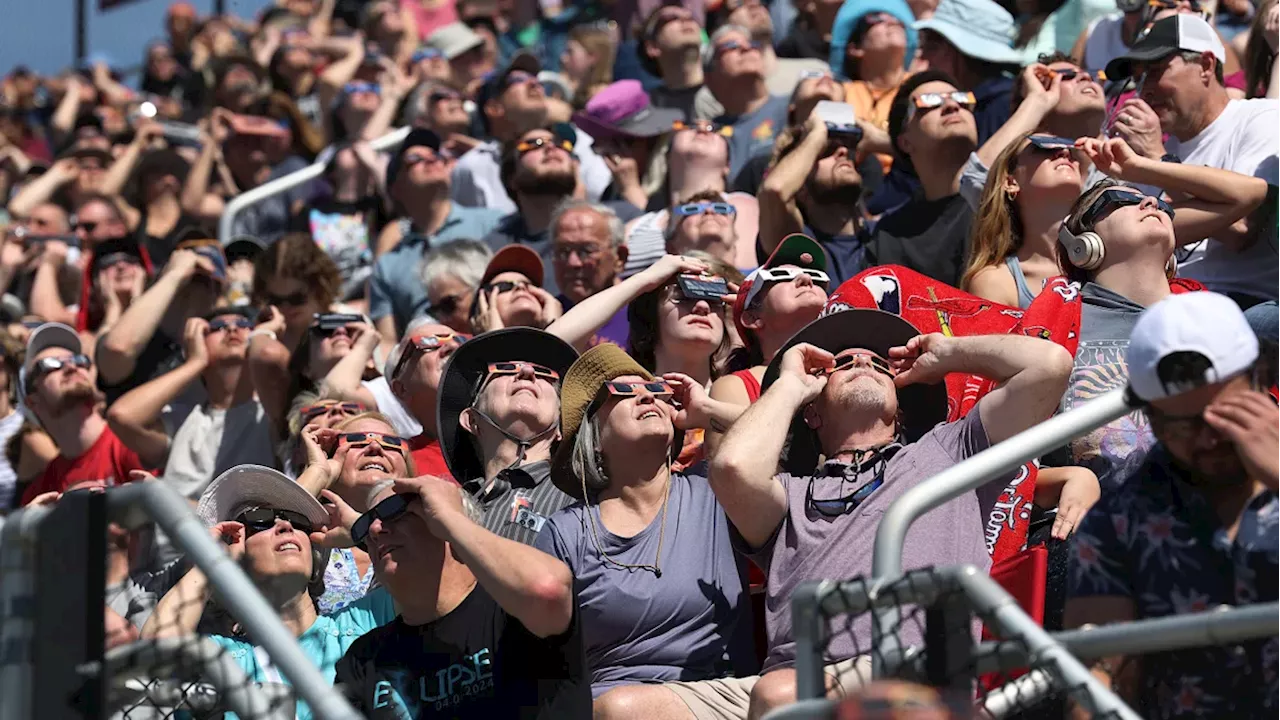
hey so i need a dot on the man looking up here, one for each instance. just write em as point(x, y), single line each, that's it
point(735, 70)
point(670, 48)
point(499, 415)
point(932, 128)
point(413, 369)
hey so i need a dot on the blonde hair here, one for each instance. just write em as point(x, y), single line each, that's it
point(409, 467)
point(996, 231)
point(598, 42)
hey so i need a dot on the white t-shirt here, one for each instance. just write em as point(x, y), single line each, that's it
point(1243, 139)
point(389, 405)
point(8, 478)
point(205, 442)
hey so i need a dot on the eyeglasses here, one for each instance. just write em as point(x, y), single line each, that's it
point(346, 409)
point(388, 510)
point(49, 365)
point(240, 323)
point(1113, 198)
point(585, 253)
point(517, 77)
point(360, 439)
point(352, 88)
point(698, 208)
point(413, 158)
point(1069, 75)
point(736, 46)
point(657, 388)
point(117, 258)
point(924, 102)
point(787, 274)
point(505, 286)
point(525, 147)
point(297, 299)
point(835, 507)
point(848, 360)
point(815, 75)
point(541, 372)
point(426, 53)
point(256, 520)
point(703, 126)
point(426, 344)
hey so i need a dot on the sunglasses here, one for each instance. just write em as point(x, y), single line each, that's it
point(443, 94)
point(676, 296)
point(425, 54)
point(240, 323)
point(703, 127)
point(352, 88)
point(657, 388)
point(89, 226)
point(517, 77)
point(1050, 143)
point(848, 360)
point(413, 158)
point(256, 520)
point(424, 345)
point(325, 331)
point(347, 409)
point(1113, 198)
point(736, 46)
point(924, 102)
point(698, 208)
point(360, 439)
point(117, 258)
point(835, 507)
point(49, 365)
point(541, 372)
point(525, 147)
point(787, 274)
point(448, 305)
point(297, 299)
point(845, 138)
point(1069, 75)
point(505, 286)
point(388, 510)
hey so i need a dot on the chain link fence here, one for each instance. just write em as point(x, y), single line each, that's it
point(85, 635)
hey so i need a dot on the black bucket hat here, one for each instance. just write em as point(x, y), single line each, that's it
point(468, 364)
point(922, 406)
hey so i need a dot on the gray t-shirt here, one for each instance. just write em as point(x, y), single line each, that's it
point(754, 131)
point(810, 546)
point(205, 442)
point(693, 623)
point(1106, 321)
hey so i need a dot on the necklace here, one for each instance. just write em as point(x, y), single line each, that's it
point(656, 567)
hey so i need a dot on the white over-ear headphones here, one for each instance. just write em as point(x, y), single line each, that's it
point(1085, 250)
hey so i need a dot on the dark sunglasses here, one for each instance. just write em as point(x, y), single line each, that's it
point(657, 388)
point(388, 510)
point(666, 18)
point(505, 286)
point(89, 226)
point(49, 365)
point(413, 158)
point(352, 88)
point(425, 54)
point(256, 520)
point(734, 45)
point(1050, 143)
point(835, 507)
point(1069, 75)
point(295, 300)
point(327, 331)
point(116, 258)
point(310, 412)
point(443, 94)
point(219, 324)
point(525, 147)
point(676, 296)
point(1113, 198)
point(360, 439)
point(517, 77)
point(845, 138)
point(846, 361)
point(698, 208)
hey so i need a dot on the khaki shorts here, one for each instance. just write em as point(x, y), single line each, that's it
point(729, 698)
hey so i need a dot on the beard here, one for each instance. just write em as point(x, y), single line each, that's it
point(861, 396)
point(556, 183)
point(844, 195)
point(78, 395)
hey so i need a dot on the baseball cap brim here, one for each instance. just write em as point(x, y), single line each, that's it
point(515, 258)
point(1121, 68)
point(247, 486)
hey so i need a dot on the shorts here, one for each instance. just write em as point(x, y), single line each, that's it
point(730, 698)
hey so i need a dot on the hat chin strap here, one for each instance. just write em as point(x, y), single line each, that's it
point(522, 444)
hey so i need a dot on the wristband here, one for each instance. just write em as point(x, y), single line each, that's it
point(263, 332)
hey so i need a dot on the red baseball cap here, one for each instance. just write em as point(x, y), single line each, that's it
point(515, 258)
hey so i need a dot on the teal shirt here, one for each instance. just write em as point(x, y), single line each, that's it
point(325, 642)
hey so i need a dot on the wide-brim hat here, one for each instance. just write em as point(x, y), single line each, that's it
point(247, 486)
point(467, 365)
point(579, 388)
point(623, 109)
point(978, 28)
point(922, 406)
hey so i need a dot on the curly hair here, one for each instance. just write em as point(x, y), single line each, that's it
point(297, 257)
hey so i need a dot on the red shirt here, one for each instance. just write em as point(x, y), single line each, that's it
point(107, 460)
point(427, 457)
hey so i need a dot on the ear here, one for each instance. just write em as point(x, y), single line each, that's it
point(622, 252)
point(752, 320)
point(1206, 65)
point(651, 51)
point(811, 417)
point(902, 143)
point(854, 52)
point(397, 388)
point(467, 421)
point(493, 109)
point(1011, 188)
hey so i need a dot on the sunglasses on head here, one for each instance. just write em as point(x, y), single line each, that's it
point(924, 102)
point(360, 439)
point(657, 388)
point(220, 324)
point(1050, 143)
point(848, 360)
point(703, 126)
point(425, 54)
point(117, 258)
point(1113, 198)
point(294, 300)
point(310, 412)
point(505, 286)
point(256, 520)
point(49, 365)
point(787, 274)
point(698, 208)
point(527, 146)
point(387, 511)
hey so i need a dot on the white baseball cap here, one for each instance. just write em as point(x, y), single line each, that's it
point(1204, 323)
point(1182, 32)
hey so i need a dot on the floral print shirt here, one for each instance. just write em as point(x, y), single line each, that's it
point(1157, 541)
point(343, 584)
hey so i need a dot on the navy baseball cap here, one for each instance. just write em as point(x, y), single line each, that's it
point(417, 137)
point(495, 82)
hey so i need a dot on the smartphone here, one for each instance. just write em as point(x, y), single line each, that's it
point(332, 321)
point(702, 287)
point(838, 117)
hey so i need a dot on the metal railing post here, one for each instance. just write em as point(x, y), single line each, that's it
point(966, 477)
point(286, 183)
point(809, 627)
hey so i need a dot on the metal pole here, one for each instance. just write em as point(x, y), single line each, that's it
point(81, 30)
point(966, 477)
point(810, 630)
point(17, 610)
point(237, 593)
point(288, 182)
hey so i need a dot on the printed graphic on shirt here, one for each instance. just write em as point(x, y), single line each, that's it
point(522, 514)
point(1099, 369)
point(407, 694)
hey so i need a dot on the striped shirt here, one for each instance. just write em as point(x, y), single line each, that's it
point(519, 501)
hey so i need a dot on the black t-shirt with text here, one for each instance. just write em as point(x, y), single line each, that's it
point(475, 662)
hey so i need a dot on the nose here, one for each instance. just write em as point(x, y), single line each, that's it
point(1148, 203)
point(574, 259)
point(1062, 153)
point(525, 372)
point(282, 527)
point(702, 307)
point(803, 280)
point(376, 528)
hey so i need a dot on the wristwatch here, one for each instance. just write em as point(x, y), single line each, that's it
point(1170, 157)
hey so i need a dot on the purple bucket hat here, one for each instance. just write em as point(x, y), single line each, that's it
point(623, 110)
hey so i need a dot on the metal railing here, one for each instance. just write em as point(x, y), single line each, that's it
point(288, 182)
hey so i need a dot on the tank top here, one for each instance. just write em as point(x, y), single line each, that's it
point(1025, 296)
point(750, 382)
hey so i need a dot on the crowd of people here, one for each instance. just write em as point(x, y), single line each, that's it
point(759, 267)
